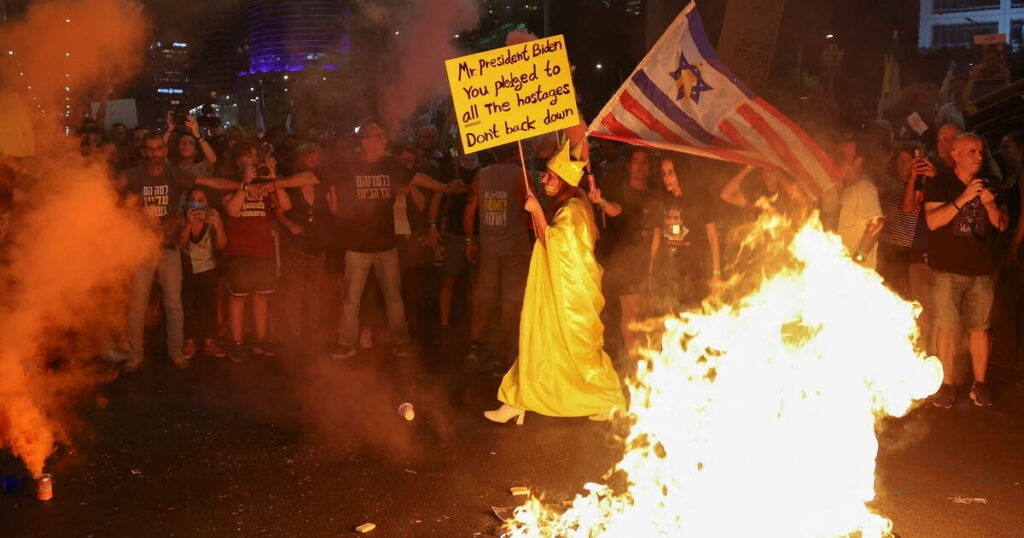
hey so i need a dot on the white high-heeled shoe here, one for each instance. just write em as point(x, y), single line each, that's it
point(506, 413)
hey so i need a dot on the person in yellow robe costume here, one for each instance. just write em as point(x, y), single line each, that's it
point(562, 369)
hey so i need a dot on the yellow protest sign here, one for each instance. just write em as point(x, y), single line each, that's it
point(512, 93)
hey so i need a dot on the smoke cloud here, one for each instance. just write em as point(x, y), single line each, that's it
point(424, 41)
point(72, 246)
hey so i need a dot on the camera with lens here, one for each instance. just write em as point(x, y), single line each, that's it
point(989, 184)
point(208, 113)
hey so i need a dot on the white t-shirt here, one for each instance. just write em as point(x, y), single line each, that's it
point(858, 205)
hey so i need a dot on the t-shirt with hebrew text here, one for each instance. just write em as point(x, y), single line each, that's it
point(161, 195)
point(366, 194)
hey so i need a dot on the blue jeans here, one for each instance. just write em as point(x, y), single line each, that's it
point(385, 267)
point(168, 269)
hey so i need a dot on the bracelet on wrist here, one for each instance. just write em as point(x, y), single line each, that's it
point(958, 208)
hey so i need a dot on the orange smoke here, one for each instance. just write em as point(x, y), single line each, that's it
point(88, 46)
point(71, 247)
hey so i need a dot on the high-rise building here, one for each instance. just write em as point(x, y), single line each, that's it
point(954, 23)
point(290, 35)
point(217, 57)
point(169, 64)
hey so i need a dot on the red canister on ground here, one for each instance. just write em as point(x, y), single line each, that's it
point(44, 488)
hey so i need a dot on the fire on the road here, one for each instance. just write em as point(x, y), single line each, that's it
point(758, 418)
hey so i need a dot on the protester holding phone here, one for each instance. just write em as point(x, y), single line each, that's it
point(193, 152)
point(201, 238)
point(250, 266)
point(899, 263)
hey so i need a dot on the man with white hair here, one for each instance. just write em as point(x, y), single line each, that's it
point(964, 221)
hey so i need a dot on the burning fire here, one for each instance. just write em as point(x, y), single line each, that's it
point(757, 418)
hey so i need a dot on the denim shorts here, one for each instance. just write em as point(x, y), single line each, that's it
point(958, 296)
point(250, 274)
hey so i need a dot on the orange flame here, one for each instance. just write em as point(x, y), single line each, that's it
point(757, 418)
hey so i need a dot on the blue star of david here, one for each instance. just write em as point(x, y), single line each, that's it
point(699, 86)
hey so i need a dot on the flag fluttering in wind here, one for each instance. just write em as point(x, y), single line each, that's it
point(683, 98)
point(890, 80)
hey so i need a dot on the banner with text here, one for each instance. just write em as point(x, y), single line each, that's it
point(512, 93)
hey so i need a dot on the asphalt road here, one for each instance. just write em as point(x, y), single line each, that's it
point(300, 446)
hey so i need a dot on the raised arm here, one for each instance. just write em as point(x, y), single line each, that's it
point(939, 214)
point(540, 222)
point(193, 127)
point(716, 253)
point(300, 179)
point(218, 183)
point(731, 193)
point(233, 203)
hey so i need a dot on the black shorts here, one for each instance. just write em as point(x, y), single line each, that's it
point(250, 274)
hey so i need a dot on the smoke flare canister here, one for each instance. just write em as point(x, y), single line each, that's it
point(44, 488)
point(407, 411)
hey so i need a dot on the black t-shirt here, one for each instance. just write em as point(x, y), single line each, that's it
point(692, 252)
point(161, 196)
point(313, 217)
point(366, 198)
point(965, 245)
point(454, 205)
point(641, 212)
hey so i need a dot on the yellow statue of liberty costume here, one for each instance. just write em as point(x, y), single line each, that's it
point(562, 369)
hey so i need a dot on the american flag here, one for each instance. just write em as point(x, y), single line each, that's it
point(683, 98)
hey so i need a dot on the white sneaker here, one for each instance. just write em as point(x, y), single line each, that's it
point(113, 354)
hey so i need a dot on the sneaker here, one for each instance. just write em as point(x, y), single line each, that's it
point(403, 351)
point(114, 354)
point(980, 394)
point(265, 348)
point(132, 365)
point(189, 349)
point(944, 397)
point(366, 338)
point(212, 349)
point(472, 363)
point(236, 352)
point(343, 352)
point(180, 363)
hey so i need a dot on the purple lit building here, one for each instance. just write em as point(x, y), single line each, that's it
point(291, 35)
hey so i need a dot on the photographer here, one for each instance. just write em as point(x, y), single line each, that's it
point(964, 220)
point(250, 266)
point(187, 157)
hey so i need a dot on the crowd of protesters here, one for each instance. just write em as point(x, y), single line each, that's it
point(280, 241)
